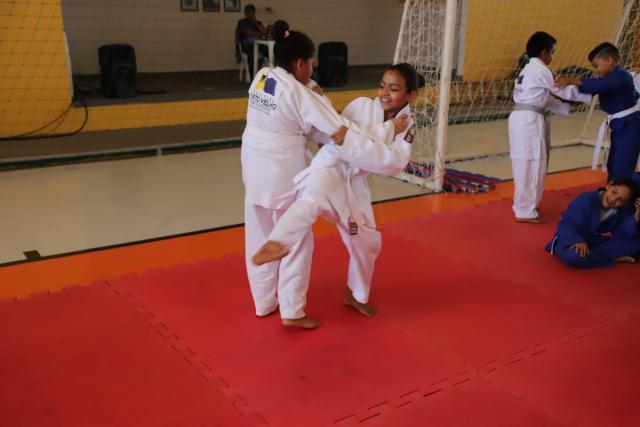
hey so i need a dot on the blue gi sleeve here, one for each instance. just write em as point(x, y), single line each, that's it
point(574, 221)
point(627, 227)
point(605, 84)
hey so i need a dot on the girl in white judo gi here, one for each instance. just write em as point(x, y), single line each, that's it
point(336, 187)
point(281, 111)
point(536, 97)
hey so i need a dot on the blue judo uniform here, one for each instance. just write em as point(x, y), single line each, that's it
point(581, 223)
point(617, 93)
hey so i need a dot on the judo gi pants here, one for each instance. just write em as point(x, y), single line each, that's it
point(528, 181)
point(624, 152)
point(602, 251)
point(363, 247)
point(285, 282)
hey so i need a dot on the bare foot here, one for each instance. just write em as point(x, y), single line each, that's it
point(268, 313)
point(364, 309)
point(536, 220)
point(625, 260)
point(305, 322)
point(270, 251)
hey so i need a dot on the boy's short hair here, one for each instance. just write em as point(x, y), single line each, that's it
point(631, 184)
point(538, 42)
point(249, 8)
point(604, 50)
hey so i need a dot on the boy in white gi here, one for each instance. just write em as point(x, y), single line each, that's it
point(529, 125)
point(335, 184)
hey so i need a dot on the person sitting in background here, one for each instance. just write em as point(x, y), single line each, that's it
point(247, 31)
point(600, 227)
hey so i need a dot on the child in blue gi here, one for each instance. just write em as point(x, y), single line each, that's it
point(619, 99)
point(600, 227)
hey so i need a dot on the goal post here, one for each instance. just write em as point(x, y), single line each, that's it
point(470, 51)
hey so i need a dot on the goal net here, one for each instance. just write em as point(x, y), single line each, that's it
point(470, 51)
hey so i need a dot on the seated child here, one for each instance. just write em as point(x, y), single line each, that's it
point(600, 227)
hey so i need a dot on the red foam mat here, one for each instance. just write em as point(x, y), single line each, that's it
point(294, 378)
point(477, 325)
point(435, 328)
point(592, 380)
point(478, 404)
point(84, 357)
point(487, 237)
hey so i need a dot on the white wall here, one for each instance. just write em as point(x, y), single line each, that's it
point(167, 39)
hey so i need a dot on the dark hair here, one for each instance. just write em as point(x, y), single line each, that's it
point(630, 183)
point(538, 42)
point(290, 45)
point(604, 50)
point(412, 78)
point(249, 8)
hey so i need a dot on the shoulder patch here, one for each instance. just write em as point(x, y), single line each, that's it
point(270, 86)
point(260, 84)
point(411, 134)
point(267, 85)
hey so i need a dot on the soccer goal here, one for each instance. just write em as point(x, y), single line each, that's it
point(470, 51)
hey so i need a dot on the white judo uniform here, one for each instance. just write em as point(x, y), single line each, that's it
point(281, 111)
point(335, 186)
point(530, 132)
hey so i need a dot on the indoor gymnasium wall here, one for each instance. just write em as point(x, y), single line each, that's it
point(497, 32)
point(34, 77)
point(34, 81)
point(137, 115)
point(168, 40)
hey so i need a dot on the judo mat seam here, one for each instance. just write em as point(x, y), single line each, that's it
point(376, 410)
point(485, 373)
point(201, 367)
point(476, 372)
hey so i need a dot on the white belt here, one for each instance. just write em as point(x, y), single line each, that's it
point(256, 136)
point(356, 217)
point(603, 136)
point(317, 163)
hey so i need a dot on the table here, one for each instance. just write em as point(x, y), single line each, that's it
point(269, 44)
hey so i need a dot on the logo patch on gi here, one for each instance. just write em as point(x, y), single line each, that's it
point(267, 85)
point(262, 97)
point(411, 134)
point(353, 228)
point(270, 86)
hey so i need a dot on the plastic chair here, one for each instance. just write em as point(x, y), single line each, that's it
point(245, 75)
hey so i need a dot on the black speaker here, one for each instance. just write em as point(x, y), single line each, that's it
point(118, 71)
point(333, 62)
